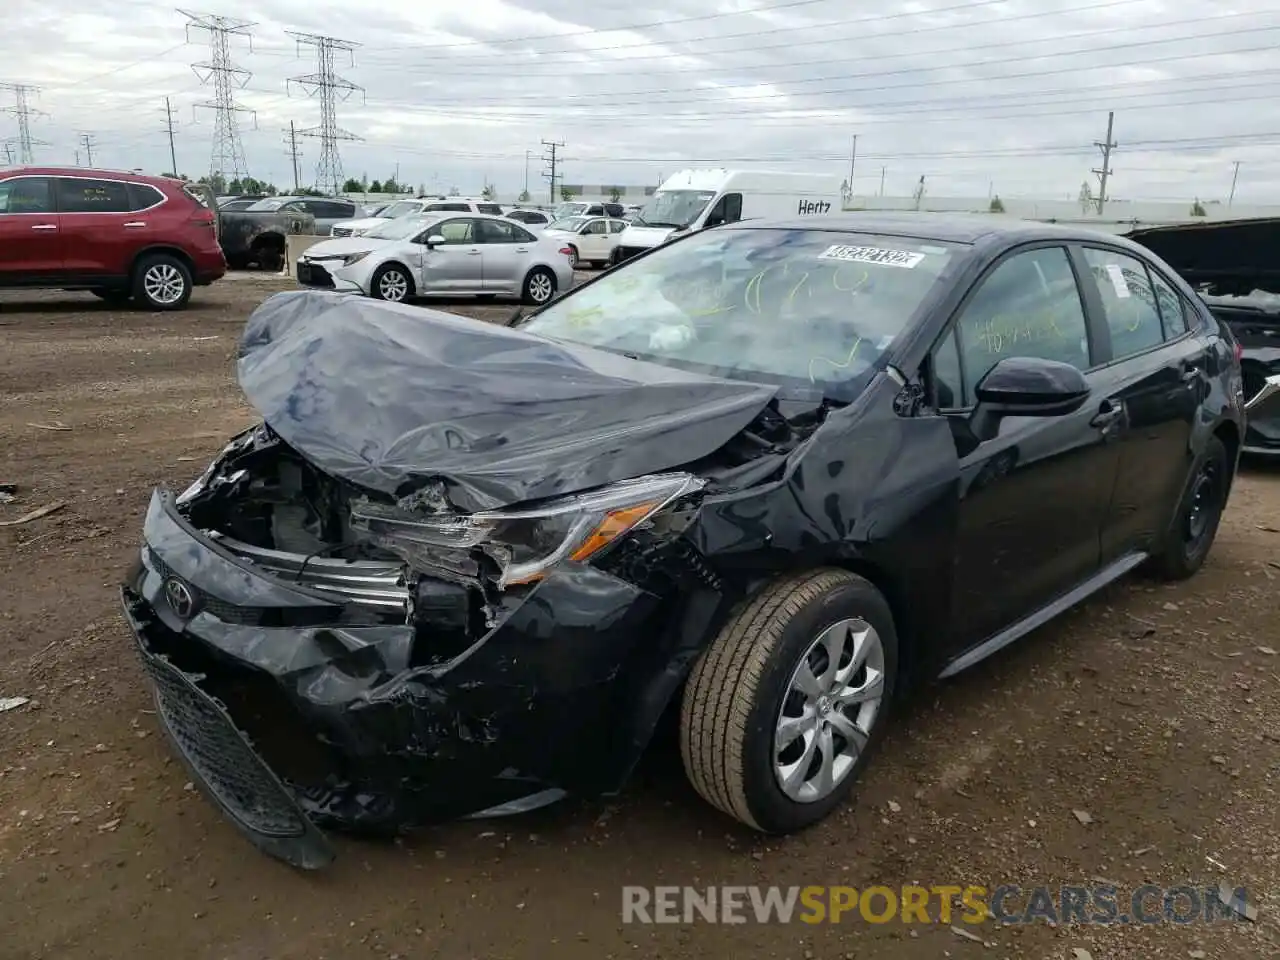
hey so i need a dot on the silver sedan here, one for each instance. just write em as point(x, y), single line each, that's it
point(452, 254)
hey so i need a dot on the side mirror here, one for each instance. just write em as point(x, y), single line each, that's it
point(1026, 387)
point(434, 241)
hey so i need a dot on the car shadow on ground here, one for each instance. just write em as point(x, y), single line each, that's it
point(75, 303)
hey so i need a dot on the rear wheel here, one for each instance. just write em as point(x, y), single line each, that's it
point(539, 286)
point(391, 282)
point(573, 256)
point(1199, 512)
point(786, 705)
point(161, 282)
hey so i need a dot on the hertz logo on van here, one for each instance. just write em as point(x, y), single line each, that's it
point(814, 206)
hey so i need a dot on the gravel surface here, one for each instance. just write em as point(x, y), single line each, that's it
point(1135, 740)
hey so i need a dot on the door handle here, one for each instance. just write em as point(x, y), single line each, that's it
point(1107, 414)
point(135, 223)
point(45, 226)
point(473, 253)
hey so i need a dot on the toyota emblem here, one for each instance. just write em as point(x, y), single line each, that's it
point(181, 598)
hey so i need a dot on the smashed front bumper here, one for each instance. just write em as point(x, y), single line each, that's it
point(360, 734)
point(1262, 409)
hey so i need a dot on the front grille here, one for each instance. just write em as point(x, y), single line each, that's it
point(220, 756)
point(313, 275)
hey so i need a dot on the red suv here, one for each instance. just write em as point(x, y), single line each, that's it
point(118, 235)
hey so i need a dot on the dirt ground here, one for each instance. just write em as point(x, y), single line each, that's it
point(1154, 710)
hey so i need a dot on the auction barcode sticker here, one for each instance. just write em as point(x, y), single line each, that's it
point(886, 258)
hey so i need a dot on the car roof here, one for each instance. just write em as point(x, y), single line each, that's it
point(31, 170)
point(962, 228)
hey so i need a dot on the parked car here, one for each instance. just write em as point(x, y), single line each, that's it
point(326, 210)
point(590, 239)
point(257, 236)
point(121, 236)
point(534, 219)
point(237, 203)
point(441, 254)
point(415, 207)
point(768, 475)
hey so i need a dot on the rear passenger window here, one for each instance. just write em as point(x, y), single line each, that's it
point(92, 196)
point(1128, 300)
point(1173, 309)
point(26, 195)
point(142, 196)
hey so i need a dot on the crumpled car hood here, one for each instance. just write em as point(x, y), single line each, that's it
point(394, 397)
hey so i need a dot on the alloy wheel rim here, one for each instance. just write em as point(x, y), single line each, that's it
point(540, 288)
point(163, 283)
point(830, 703)
point(393, 286)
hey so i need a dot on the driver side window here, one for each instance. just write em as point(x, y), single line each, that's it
point(456, 231)
point(1028, 306)
point(595, 227)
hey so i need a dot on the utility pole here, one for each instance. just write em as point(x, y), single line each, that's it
point(527, 155)
point(227, 160)
point(87, 140)
point(8, 153)
point(294, 153)
point(1234, 177)
point(553, 161)
point(23, 110)
point(169, 129)
point(1105, 170)
point(330, 88)
point(853, 159)
point(882, 170)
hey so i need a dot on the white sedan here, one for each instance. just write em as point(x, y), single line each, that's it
point(452, 254)
point(591, 239)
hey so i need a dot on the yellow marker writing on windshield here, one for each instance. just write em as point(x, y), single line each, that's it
point(848, 362)
point(835, 281)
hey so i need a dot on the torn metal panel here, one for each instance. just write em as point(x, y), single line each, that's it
point(394, 398)
point(244, 233)
point(1232, 256)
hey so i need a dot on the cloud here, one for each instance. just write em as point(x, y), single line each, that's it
point(1002, 95)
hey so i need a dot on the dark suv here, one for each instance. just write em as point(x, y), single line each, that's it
point(118, 235)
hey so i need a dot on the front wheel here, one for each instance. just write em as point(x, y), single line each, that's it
point(1200, 510)
point(162, 282)
point(786, 705)
point(539, 286)
point(391, 282)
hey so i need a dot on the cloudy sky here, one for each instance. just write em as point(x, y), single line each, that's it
point(978, 96)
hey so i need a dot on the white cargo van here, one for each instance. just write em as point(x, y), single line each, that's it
point(697, 199)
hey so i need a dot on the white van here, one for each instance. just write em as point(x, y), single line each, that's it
point(697, 199)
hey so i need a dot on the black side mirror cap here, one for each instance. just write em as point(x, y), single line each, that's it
point(1026, 387)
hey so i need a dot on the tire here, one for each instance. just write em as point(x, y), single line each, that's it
point(391, 282)
point(737, 690)
point(539, 286)
point(111, 294)
point(573, 257)
point(161, 282)
point(1195, 525)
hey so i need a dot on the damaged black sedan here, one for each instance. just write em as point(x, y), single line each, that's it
point(764, 477)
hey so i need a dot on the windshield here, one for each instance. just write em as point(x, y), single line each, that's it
point(568, 210)
point(568, 224)
point(401, 208)
point(401, 228)
point(805, 308)
point(673, 208)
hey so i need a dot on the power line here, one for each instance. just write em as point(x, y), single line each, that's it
point(552, 159)
point(1104, 172)
point(23, 110)
point(331, 88)
point(294, 154)
point(169, 129)
point(228, 158)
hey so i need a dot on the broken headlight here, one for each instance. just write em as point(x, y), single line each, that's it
point(527, 542)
